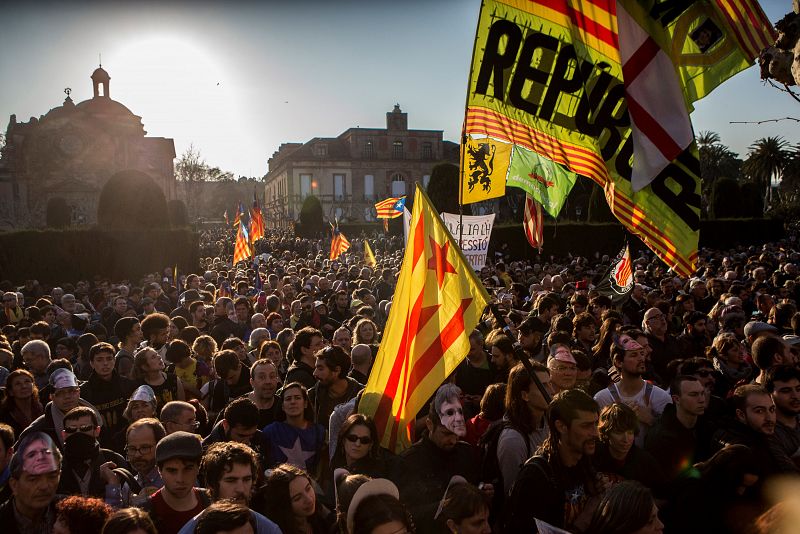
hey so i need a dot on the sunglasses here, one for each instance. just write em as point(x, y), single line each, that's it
point(82, 428)
point(364, 440)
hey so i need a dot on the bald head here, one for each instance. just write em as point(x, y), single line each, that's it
point(361, 356)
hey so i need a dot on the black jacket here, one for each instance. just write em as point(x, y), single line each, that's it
point(224, 328)
point(9, 521)
point(301, 372)
point(110, 398)
point(672, 444)
point(318, 391)
point(427, 471)
point(97, 486)
point(45, 423)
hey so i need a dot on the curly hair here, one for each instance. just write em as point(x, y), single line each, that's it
point(83, 514)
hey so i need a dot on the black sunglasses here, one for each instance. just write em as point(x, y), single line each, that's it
point(82, 428)
point(364, 440)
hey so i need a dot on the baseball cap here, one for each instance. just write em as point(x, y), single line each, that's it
point(179, 445)
point(63, 378)
point(756, 327)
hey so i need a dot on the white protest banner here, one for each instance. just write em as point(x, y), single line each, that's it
point(475, 236)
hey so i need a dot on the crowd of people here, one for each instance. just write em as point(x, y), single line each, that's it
point(227, 400)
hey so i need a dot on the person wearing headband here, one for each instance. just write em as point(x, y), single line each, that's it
point(35, 471)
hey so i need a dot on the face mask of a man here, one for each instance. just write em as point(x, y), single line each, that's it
point(452, 417)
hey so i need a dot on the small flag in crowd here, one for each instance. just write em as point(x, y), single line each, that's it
point(533, 222)
point(224, 290)
point(339, 243)
point(237, 220)
point(256, 221)
point(242, 249)
point(437, 304)
point(258, 284)
point(486, 164)
point(369, 256)
point(390, 208)
point(227, 221)
point(618, 282)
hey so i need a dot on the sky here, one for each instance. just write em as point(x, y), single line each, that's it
point(235, 80)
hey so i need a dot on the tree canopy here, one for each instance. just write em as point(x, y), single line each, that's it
point(131, 199)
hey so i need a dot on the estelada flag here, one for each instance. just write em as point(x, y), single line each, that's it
point(339, 243)
point(618, 282)
point(369, 256)
point(256, 221)
point(437, 303)
point(390, 208)
point(242, 249)
point(486, 164)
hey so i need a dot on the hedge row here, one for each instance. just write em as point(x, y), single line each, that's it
point(584, 239)
point(56, 256)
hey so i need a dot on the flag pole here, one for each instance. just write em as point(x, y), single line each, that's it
point(464, 134)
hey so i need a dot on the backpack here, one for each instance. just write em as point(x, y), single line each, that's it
point(648, 392)
point(490, 465)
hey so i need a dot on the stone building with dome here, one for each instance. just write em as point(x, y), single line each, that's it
point(68, 154)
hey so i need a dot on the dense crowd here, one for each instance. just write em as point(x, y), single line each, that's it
point(227, 401)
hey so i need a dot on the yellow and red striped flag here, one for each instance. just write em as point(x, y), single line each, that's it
point(390, 208)
point(609, 98)
point(242, 249)
point(339, 243)
point(533, 222)
point(437, 304)
point(256, 221)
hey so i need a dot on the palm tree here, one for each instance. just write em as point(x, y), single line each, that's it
point(707, 139)
point(765, 162)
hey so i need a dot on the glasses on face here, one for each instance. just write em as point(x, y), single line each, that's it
point(139, 451)
point(82, 428)
point(364, 440)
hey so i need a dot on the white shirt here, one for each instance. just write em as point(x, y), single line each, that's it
point(658, 401)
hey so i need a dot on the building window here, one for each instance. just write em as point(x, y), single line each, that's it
point(305, 185)
point(398, 185)
point(426, 179)
point(427, 150)
point(338, 186)
point(320, 150)
point(397, 150)
point(369, 149)
point(369, 187)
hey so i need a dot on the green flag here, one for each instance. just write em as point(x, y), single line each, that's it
point(546, 181)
